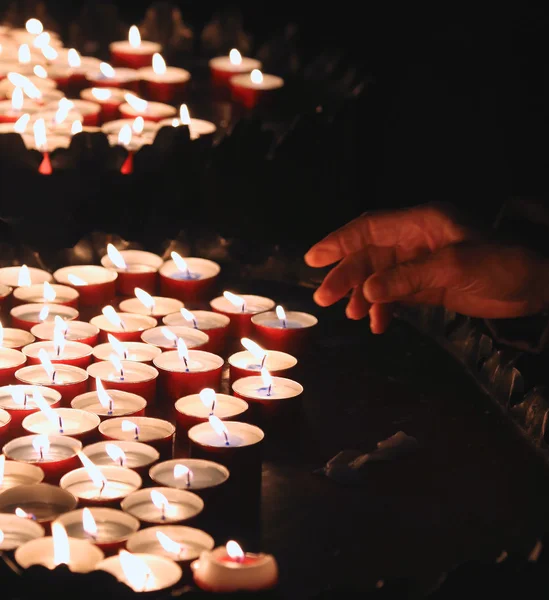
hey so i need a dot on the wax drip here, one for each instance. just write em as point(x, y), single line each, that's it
point(60, 425)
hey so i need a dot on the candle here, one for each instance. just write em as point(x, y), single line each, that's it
point(167, 337)
point(184, 372)
point(132, 455)
point(89, 111)
point(109, 100)
point(162, 83)
point(215, 325)
point(135, 268)
point(143, 572)
point(150, 111)
point(11, 110)
point(15, 532)
point(38, 502)
point(197, 408)
point(222, 68)
point(18, 401)
point(46, 293)
point(197, 127)
point(228, 569)
point(155, 432)
point(113, 403)
point(141, 131)
point(188, 278)
point(58, 121)
point(108, 77)
point(134, 52)
point(250, 361)
point(80, 556)
point(23, 276)
point(127, 326)
point(96, 285)
point(284, 331)
point(127, 376)
point(13, 474)
point(190, 474)
point(60, 351)
point(75, 331)
point(134, 351)
point(55, 454)
point(10, 362)
point(178, 542)
point(255, 88)
point(78, 424)
point(241, 309)
point(15, 339)
point(26, 316)
point(145, 304)
point(162, 505)
point(79, 66)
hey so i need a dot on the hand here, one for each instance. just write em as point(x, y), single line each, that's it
point(375, 242)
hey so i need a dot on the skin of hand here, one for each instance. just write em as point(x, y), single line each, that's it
point(423, 255)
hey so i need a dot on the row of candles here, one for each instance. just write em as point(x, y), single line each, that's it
point(78, 444)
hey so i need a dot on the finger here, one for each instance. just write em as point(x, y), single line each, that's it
point(358, 306)
point(381, 316)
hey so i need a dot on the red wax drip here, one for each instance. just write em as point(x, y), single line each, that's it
point(127, 167)
point(45, 166)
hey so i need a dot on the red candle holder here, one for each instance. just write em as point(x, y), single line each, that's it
point(290, 334)
point(69, 381)
point(122, 78)
point(222, 68)
point(90, 111)
point(15, 276)
point(135, 56)
point(166, 337)
point(77, 331)
point(137, 378)
point(73, 353)
point(10, 362)
point(141, 271)
point(180, 378)
point(194, 284)
point(167, 86)
point(215, 325)
point(245, 364)
point(241, 314)
point(191, 411)
point(109, 100)
point(5, 425)
point(250, 91)
point(77, 424)
point(36, 294)
point(26, 316)
point(134, 351)
point(16, 339)
point(61, 75)
point(133, 455)
point(154, 111)
point(124, 404)
point(134, 326)
point(96, 285)
point(18, 402)
point(160, 308)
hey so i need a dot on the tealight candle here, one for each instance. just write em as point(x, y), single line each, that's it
point(133, 52)
point(13, 474)
point(187, 372)
point(162, 83)
point(162, 505)
point(215, 325)
point(78, 424)
point(38, 502)
point(89, 111)
point(285, 331)
point(254, 88)
point(113, 403)
point(11, 110)
point(143, 572)
point(139, 128)
point(58, 122)
point(241, 309)
point(16, 531)
point(133, 455)
point(127, 376)
point(79, 66)
point(75, 331)
point(249, 362)
point(135, 268)
point(5, 422)
point(222, 68)
point(145, 304)
point(150, 111)
point(18, 401)
point(46, 293)
point(26, 316)
point(109, 100)
point(23, 276)
point(96, 285)
point(134, 351)
point(68, 380)
point(197, 408)
point(199, 476)
point(158, 433)
point(127, 327)
point(167, 337)
point(108, 77)
point(197, 127)
point(15, 338)
point(10, 362)
point(188, 279)
point(67, 353)
point(228, 569)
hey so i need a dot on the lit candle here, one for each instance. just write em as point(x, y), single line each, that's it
point(15, 339)
point(130, 454)
point(188, 278)
point(89, 112)
point(78, 67)
point(10, 362)
point(46, 293)
point(145, 304)
point(113, 403)
point(133, 52)
point(162, 83)
point(197, 127)
point(135, 268)
point(162, 506)
point(199, 476)
point(167, 337)
point(108, 77)
point(75, 331)
point(222, 68)
point(143, 132)
point(250, 361)
point(109, 100)
point(197, 408)
point(241, 309)
point(11, 110)
point(150, 111)
point(15, 532)
point(285, 331)
point(13, 474)
point(23, 276)
point(128, 327)
point(255, 88)
point(184, 372)
point(18, 401)
point(229, 569)
point(60, 351)
point(78, 424)
point(96, 285)
point(127, 376)
point(134, 351)
point(215, 325)
point(26, 316)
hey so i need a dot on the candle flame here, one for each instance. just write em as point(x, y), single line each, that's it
point(208, 398)
point(158, 64)
point(40, 137)
point(101, 94)
point(181, 471)
point(23, 514)
point(182, 350)
point(116, 454)
point(88, 523)
point(60, 324)
point(256, 76)
point(136, 572)
point(44, 312)
point(42, 40)
point(118, 346)
point(125, 135)
point(24, 278)
point(176, 122)
point(234, 550)
point(134, 37)
point(184, 117)
point(17, 395)
point(2, 468)
point(187, 315)
point(41, 444)
point(49, 293)
point(59, 340)
point(281, 313)
point(20, 126)
point(39, 71)
point(45, 408)
point(130, 426)
point(49, 52)
point(218, 426)
point(75, 280)
point(117, 364)
point(116, 258)
point(235, 57)
point(179, 261)
point(63, 111)
point(24, 54)
point(161, 502)
point(76, 127)
point(138, 125)
point(34, 27)
point(145, 298)
point(254, 349)
point(267, 378)
point(106, 70)
point(98, 479)
point(17, 100)
point(104, 399)
point(235, 300)
point(112, 316)
point(1, 536)
point(168, 544)
point(47, 364)
point(61, 547)
point(18, 80)
point(169, 334)
point(73, 58)
point(138, 104)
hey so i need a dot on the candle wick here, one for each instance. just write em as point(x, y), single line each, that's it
point(186, 364)
point(60, 425)
point(25, 401)
point(163, 512)
point(195, 324)
point(41, 453)
point(53, 376)
point(121, 462)
point(137, 433)
point(283, 323)
point(121, 374)
point(126, 355)
point(103, 484)
point(58, 349)
point(111, 406)
point(263, 360)
point(188, 479)
point(226, 438)
point(269, 390)
point(188, 273)
point(243, 307)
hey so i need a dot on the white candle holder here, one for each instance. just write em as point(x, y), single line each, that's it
point(138, 456)
point(193, 338)
point(18, 473)
point(18, 531)
point(42, 502)
point(184, 506)
point(121, 482)
point(136, 352)
point(204, 474)
point(10, 276)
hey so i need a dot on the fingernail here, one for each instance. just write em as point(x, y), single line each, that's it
point(375, 289)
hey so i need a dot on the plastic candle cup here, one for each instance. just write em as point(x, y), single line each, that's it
point(11, 110)
point(18, 401)
point(150, 111)
point(167, 337)
point(78, 424)
point(127, 376)
point(222, 68)
point(154, 306)
point(188, 279)
point(161, 83)
point(143, 572)
point(139, 129)
point(255, 88)
point(88, 111)
point(23, 276)
point(132, 455)
point(109, 100)
point(75, 331)
point(17, 531)
point(10, 362)
point(133, 52)
point(126, 327)
point(158, 433)
point(96, 285)
point(249, 362)
point(13, 474)
point(69, 381)
point(112, 403)
point(26, 316)
point(240, 309)
point(197, 408)
point(67, 353)
point(163, 506)
point(5, 424)
point(46, 293)
point(188, 372)
point(133, 351)
point(198, 128)
point(285, 331)
point(16, 339)
point(106, 528)
point(107, 77)
point(215, 325)
point(228, 569)
point(135, 268)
